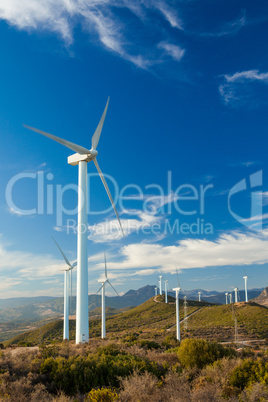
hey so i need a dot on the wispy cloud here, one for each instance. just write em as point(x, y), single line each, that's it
point(174, 51)
point(100, 18)
point(228, 28)
point(240, 88)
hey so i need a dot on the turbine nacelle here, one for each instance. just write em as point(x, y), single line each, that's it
point(76, 158)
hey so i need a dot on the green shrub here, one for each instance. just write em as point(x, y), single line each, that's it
point(198, 352)
point(249, 372)
point(146, 344)
point(101, 395)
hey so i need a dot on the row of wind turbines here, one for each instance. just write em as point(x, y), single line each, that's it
point(81, 158)
point(177, 293)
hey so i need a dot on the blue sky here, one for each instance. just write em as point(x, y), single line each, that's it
point(188, 82)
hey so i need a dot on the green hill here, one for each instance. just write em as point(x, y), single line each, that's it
point(156, 320)
point(149, 317)
point(218, 322)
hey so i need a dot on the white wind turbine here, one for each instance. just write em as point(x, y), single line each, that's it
point(67, 272)
point(81, 158)
point(246, 287)
point(236, 292)
point(166, 290)
point(199, 296)
point(155, 291)
point(160, 284)
point(177, 290)
point(102, 289)
point(226, 297)
point(231, 298)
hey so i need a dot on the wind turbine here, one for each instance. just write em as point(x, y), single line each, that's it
point(155, 291)
point(236, 290)
point(102, 289)
point(81, 158)
point(231, 298)
point(177, 290)
point(199, 296)
point(246, 289)
point(160, 285)
point(226, 297)
point(166, 290)
point(67, 271)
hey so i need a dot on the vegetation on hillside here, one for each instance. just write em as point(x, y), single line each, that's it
point(196, 370)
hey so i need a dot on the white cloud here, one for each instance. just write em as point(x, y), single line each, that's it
point(169, 14)
point(247, 75)
point(176, 52)
point(110, 230)
point(233, 248)
point(100, 18)
point(240, 88)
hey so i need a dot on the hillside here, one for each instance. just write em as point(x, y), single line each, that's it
point(262, 299)
point(217, 322)
point(148, 317)
point(155, 320)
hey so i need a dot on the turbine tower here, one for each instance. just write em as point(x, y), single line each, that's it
point(246, 289)
point(231, 298)
point(236, 290)
point(177, 290)
point(166, 290)
point(226, 297)
point(81, 158)
point(155, 291)
point(67, 271)
point(102, 289)
point(199, 296)
point(160, 285)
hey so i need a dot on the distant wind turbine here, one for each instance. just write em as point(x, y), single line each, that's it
point(177, 290)
point(236, 290)
point(226, 297)
point(155, 291)
point(166, 290)
point(246, 288)
point(102, 289)
point(81, 158)
point(67, 271)
point(199, 296)
point(160, 284)
point(231, 298)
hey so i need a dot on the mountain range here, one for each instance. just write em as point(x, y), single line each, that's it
point(29, 309)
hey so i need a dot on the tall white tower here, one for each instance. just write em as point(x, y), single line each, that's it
point(226, 298)
point(178, 334)
point(199, 296)
point(236, 290)
point(166, 290)
point(155, 291)
point(246, 289)
point(160, 284)
point(231, 298)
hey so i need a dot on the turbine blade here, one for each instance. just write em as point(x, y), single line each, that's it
point(74, 264)
point(105, 265)
point(113, 288)
point(101, 287)
point(62, 253)
point(96, 135)
point(74, 147)
point(108, 193)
